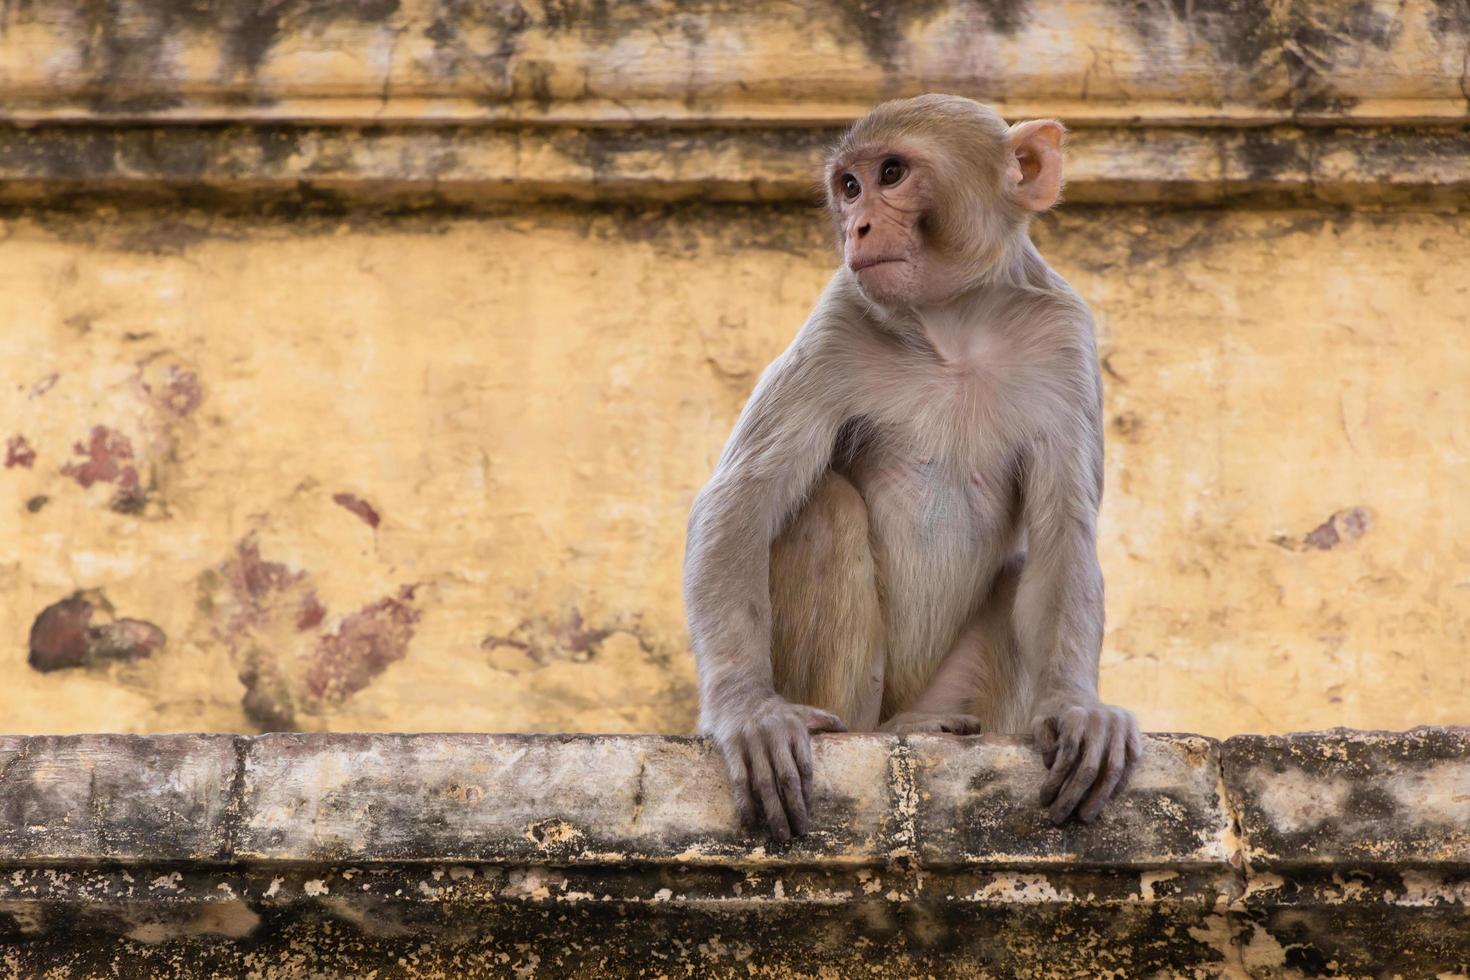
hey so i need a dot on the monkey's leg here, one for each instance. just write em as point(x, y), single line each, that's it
point(983, 684)
point(826, 620)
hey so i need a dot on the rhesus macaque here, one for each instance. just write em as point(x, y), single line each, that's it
point(900, 535)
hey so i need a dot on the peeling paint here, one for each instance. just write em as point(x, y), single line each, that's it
point(1349, 524)
point(364, 510)
point(18, 452)
point(271, 618)
point(107, 457)
point(64, 634)
point(172, 387)
point(362, 646)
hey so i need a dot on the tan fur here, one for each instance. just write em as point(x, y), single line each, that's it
point(827, 625)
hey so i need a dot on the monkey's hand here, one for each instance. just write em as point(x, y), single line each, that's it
point(1089, 751)
point(917, 722)
point(769, 755)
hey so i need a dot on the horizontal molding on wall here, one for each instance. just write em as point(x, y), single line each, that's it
point(400, 102)
point(469, 165)
point(334, 855)
point(703, 62)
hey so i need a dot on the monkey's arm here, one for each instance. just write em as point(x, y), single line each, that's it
point(1089, 748)
point(780, 446)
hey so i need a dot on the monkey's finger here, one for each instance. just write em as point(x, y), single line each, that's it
point(740, 783)
point(1045, 733)
point(788, 780)
point(801, 745)
point(1114, 763)
point(1134, 748)
point(1095, 743)
point(764, 784)
point(818, 720)
point(1060, 761)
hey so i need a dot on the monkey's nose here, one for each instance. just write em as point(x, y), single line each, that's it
point(863, 229)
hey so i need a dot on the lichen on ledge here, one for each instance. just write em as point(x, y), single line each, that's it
point(582, 855)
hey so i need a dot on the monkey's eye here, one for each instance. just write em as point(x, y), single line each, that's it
point(892, 172)
point(850, 186)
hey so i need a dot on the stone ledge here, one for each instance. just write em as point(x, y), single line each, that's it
point(466, 165)
point(817, 62)
point(407, 103)
point(594, 855)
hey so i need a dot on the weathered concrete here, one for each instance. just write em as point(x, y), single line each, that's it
point(486, 855)
point(408, 102)
point(429, 166)
point(823, 61)
point(319, 415)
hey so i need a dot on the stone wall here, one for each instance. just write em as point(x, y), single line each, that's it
point(1337, 853)
point(359, 361)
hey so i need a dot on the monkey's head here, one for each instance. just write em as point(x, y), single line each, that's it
point(928, 192)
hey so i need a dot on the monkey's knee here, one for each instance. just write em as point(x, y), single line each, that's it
point(826, 622)
point(823, 554)
point(832, 524)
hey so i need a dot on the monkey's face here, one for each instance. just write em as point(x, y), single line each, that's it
point(883, 200)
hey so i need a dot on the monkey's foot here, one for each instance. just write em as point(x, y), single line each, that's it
point(918, 722)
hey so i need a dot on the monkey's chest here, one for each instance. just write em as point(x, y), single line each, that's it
point(939, 531)
point(934, 500)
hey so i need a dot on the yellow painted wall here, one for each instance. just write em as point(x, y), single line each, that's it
point(527, 402)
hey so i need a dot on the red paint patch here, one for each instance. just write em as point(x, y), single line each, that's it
point(312, 613)
point(253, 603)
point(1351, 523)
point(18, 452)
point(572, 636)
point(180, 391)
point(363, 646)
point(358, 506)
point(1323, 537)
point(64, 635)
point(255, 586)
point(107, 458)
point(59, 634)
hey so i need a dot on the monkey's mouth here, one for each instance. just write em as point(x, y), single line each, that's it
point(865, 264)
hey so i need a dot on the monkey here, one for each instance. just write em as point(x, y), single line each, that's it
point(901, 532)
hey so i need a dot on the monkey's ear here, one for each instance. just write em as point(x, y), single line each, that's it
point(1035, 171)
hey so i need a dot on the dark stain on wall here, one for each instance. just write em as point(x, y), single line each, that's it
point(1319, 38)
point(454, 20)
point(879, 24)
point(19, 452)
point(1241, 32)
point(364, 510)
point(544, 640)
point(1349, 524)
point(252, 29)
point(1451, 17)
point(1136, 237)
point(1267, 155)
point(128, 47)
point(81, 630)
